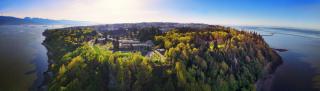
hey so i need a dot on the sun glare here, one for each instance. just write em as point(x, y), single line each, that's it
point(108, 11)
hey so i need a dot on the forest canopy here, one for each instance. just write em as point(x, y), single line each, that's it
point(208, 59)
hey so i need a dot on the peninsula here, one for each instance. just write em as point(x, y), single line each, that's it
point(156, 56)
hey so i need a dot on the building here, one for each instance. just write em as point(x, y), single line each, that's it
point(133, 45)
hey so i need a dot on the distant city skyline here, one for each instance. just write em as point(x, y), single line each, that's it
point(282, 13)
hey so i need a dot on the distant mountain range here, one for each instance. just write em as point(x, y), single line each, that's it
point(10, 20)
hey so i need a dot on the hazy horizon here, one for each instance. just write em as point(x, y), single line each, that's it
point(284, 13)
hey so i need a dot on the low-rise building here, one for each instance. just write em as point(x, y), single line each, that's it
point(134, 45)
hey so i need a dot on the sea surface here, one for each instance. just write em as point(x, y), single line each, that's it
point(23, 58)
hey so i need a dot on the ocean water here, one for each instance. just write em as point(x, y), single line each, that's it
point(23, 58)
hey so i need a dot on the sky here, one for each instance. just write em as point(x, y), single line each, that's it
point(282, 13)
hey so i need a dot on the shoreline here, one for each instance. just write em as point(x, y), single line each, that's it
point(280, 50)
point(261, 83)
point(265, 82)
point(47, 75)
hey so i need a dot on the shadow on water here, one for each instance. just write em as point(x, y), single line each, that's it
point(294, 74)
point(23, 57)
point(41, 67)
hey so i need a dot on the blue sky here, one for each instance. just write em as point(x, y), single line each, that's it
point(286, 13)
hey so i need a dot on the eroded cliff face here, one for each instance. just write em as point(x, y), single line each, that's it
point(212, 58)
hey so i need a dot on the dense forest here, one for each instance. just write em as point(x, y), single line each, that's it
point(208, 59)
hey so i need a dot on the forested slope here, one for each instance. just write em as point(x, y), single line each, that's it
point(209, 59)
